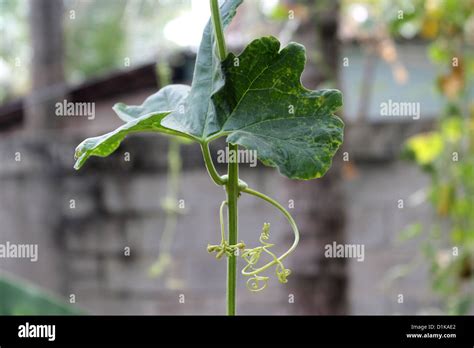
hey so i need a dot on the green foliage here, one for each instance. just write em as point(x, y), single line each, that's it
point(89, 47)
point(24, 299)
point(424, 148)
point(447, 153)
point(258, 103)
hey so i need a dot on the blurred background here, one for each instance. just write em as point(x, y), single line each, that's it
point(128, 234)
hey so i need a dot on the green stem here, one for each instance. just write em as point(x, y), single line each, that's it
point(211, 169)
point(218, 31)
point(232, 184)
point(232, 197)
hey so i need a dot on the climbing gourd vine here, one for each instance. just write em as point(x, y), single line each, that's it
point(255, 100)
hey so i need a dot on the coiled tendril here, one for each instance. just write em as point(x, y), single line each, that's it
point(252, 256)
point(256, 281)
point(224, 248)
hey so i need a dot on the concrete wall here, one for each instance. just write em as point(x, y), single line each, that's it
point(118, 205)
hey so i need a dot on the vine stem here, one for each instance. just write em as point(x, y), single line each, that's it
point(232, 184)
point(232, 198)
point(218, 31)
point(211, 169)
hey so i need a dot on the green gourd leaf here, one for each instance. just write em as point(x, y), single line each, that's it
point(263, 106)
point(143, 118)
point(256, 99)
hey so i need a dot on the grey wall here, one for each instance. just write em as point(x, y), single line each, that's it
point(118, 206)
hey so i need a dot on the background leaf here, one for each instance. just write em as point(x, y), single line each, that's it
point(22, 298)
point(424, 148)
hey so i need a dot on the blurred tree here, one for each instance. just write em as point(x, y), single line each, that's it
point(47, 68)
point(322, 283)
point(95, 34)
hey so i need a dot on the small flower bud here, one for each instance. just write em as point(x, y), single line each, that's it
point(220, 253)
